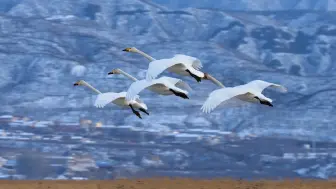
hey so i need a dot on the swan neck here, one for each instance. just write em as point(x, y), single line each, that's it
point(92, 88)
point(215, 81)
point(128, 75)
point(145, 55)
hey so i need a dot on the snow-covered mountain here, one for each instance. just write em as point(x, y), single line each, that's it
point(42, 42)
point(259, 5)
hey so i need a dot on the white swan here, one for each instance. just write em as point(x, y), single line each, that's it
point(162, 86)
point(116, 98)
point(180, 64)
point(249, 92)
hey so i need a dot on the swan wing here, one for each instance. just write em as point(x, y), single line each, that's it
point(156, 67)
point(233, 103)
point(194, 62)
point(177, 83)
point(219, 96)
point(136, 87)
point(259, 86)
point(194, 71)
point(166, 81)
point(105, 98)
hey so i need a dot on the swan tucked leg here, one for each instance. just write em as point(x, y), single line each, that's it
point(264, 102)
point(135, 112)
point(179, 94)
point(144, 111)
point(198, 79)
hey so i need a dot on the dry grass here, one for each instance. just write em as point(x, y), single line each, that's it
point(167, 183)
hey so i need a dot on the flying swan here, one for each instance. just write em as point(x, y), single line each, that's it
point(180, 64)
point(116, 98)
point(163, 86)
point(249, 92)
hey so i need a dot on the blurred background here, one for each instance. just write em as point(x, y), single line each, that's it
point(51, 130)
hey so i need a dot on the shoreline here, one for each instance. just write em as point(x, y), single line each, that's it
point(167, 183)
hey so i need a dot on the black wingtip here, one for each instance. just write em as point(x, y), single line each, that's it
point(179, 94)
point(139, 116)
point(144, 111)
point(266, 103)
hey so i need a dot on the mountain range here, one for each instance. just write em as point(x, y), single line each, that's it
point(287, 42)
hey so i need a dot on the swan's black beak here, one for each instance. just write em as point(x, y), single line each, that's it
point(110, 73)
point(75, 84)
point(127, 50)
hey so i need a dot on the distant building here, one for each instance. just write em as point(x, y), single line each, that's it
point(126, 133)
point(105, 164)
point(208, 132)
point(306, 146)
point(153, 161)
point(185, 138)
point(5, 119)
point(166, 138)
point(10, 164)
point(68, 127)
point(86, 124)
point(81, 163)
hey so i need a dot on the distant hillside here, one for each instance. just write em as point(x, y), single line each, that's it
point(41, 41)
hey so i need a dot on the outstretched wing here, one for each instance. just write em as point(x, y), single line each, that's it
point(259, 86)
point(156, 67)
point(105, 98)
point(194, 62)
point(136, 87)
point(177, 83)
point(233, 103)
point(219, 96)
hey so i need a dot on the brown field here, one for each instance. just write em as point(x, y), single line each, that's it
point(167, 183)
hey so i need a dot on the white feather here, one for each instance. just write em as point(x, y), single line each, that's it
point(185, 59)
point(116, 98)
point(156, 67)
point(242, 93)
point(105, 98)
point(259, 86)
point(218, 96)
point(178, 64)
point(177, 82)
point(161, 84)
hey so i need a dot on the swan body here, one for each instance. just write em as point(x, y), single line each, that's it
point(249, 92)
point(118, 99)
point(115, 98)
point(163, 86)
point(180, 64)
point(160, 86)
point(174, 64)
